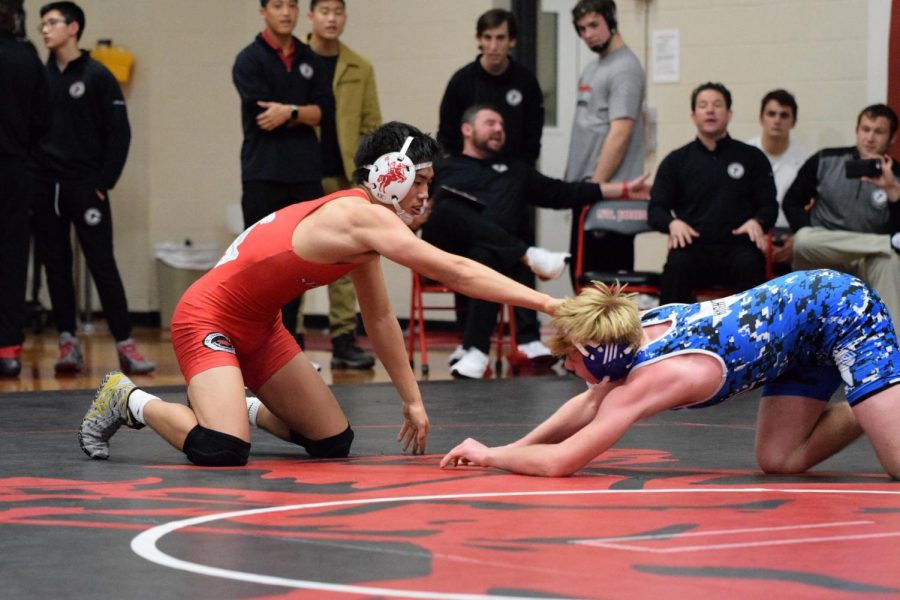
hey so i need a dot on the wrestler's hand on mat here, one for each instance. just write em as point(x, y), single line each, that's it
point(470, 452)
point(414, 431)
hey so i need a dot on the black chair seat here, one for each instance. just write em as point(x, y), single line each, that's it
point(633, 278)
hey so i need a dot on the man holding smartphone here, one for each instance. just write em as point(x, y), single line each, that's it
point(854, 222)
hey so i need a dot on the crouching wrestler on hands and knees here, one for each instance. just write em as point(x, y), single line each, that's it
point(227, 329)
point(799, 336)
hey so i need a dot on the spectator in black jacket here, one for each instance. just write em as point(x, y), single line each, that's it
point(24, 115)
point(285, 92)
point(481, 212)
point(715, 198)
point(495, 79)
point(79, 161)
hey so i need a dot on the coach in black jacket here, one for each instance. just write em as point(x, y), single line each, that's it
point(501, 190)
point(715, 198)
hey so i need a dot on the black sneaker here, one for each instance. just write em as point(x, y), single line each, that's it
point(345, 354)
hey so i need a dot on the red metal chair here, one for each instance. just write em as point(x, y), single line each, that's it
point(623, 217)
point(505, 335)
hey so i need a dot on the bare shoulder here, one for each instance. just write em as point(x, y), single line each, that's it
point(677, 380)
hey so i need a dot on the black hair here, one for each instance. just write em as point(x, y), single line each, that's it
point(263, 3)
point(782, 97)
point(390, 137)
point(70, 11)
point(468, 115)
point(711, 85)
point(9, 11)
point(874, 111)
point(495, 18)
point(604, 8)
point(312, 4)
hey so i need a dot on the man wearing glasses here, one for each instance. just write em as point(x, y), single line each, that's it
point(79, 161)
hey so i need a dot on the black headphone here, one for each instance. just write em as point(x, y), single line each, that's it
point(604, 8)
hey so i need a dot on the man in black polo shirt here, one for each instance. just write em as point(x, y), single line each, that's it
point(715, 198)
point(284, 94)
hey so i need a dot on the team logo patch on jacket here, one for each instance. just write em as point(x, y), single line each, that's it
point(76, 90)
point(218, 342)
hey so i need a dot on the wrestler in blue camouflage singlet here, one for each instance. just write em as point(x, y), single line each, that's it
point(801, 334)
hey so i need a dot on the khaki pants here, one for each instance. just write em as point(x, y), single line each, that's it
point(341, 293)
point(868, 256)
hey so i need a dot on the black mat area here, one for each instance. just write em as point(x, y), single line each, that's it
point(65, 526)
point(37, 430)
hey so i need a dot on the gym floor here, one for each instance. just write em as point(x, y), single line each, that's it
point(677, 508)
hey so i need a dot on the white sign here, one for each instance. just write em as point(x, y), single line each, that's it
point(666, 50)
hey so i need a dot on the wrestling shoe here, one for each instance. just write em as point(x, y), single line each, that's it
point(71, 359)
point(546, 264)
point(345, 354)
point(10, 361)
point(538, 354)
point(456, 355)
point(473, 365)
point(132, 361)
point(107, 413)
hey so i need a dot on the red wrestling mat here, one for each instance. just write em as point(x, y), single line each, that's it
point(400, 527)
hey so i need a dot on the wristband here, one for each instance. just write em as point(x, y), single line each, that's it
point(625, 194)
point(294, 112)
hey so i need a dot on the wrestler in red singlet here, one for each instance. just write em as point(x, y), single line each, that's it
point(232, 315)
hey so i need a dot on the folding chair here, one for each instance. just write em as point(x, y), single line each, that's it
point(505, 334)
point(623, 217)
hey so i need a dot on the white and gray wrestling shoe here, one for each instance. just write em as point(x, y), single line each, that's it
point(107, 413)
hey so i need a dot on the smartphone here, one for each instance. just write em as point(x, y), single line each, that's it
point(866, 167)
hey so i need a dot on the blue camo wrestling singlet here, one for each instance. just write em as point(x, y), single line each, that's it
point(802, 334)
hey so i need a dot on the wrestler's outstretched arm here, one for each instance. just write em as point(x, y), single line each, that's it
point(385, 234)
point(386, 336)
point(577, 412)
point(613, 417)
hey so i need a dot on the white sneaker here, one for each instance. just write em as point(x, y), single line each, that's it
point(473, 365)
point(538, 354)
point(546, 264)
point(456, 355)
point(535, 349)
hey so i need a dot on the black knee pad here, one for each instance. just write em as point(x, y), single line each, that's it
point(336, 446)
point(208, 448)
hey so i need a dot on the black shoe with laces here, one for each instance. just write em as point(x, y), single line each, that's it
point(346, 354)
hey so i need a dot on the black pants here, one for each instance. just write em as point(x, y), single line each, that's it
point(457, 226)
point(15, 205)
point(261, 198)
point(739, 266)
point(57, 207)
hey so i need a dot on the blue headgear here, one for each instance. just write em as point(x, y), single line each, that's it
point(612, 360)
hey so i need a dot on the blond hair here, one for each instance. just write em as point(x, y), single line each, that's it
point(601, 314)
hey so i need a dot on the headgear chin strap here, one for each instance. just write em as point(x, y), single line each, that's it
point(391, 177)
point(612, 360)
